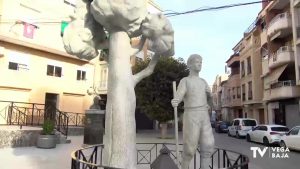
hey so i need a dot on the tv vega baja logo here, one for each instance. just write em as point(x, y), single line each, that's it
point(273, 152)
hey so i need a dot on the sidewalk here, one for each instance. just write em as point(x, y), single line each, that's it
point(59, 157)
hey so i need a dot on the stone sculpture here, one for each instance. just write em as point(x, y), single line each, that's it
point(110, 24)
point(196, 94)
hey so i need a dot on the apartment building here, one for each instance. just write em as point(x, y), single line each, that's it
point(278, 22)
point(218, 95)
point(34, 66)
point(268, 57)
point(250, 72)
point(233, 89)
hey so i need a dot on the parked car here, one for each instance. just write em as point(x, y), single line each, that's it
point(291, 139)
point(267, 134)
point(221, 127)
point(213, 123)
point(240, 126)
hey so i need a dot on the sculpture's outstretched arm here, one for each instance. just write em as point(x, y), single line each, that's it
point(147, 71)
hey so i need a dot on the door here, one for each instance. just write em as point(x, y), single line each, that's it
point(254, 133)
point(231, 128)
point(50, 105)
point(292, 140)
point(236, 126)
point(280, 115)
point(261, 116)
point(262, 133)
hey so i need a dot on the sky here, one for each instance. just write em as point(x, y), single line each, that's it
point(211, 34)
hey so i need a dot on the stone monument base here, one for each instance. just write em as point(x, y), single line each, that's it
point(94, 126)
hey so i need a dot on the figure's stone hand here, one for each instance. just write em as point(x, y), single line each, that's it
point(175, 102)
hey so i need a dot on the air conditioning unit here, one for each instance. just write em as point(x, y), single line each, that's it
point(2, 50)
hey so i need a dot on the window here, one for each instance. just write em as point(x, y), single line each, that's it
point(18, 61)
point(249, 90)
point(103, 78)
point(228, 95)
point(243, 92)
point(233, 93)
point(13, 66)
point(249, 123)
point(54, 71)
point(236, 122)
point(81, 75)
point(249, 70)
point(238, 91)
point(294, 131)
point(242, 69)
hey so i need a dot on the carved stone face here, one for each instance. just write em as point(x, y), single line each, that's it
point(196, 65)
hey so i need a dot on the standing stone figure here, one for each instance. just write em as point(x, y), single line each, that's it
point(196, 94)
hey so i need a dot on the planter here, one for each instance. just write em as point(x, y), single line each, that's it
point(46, 141)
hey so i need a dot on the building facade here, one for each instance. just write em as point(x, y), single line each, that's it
point(33, 63)
point(268, 56)
point(280, 63)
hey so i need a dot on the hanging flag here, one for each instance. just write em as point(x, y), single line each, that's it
point(28, 31)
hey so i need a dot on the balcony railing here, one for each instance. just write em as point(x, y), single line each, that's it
point(281, 22)
point(282, 56)
point(283, 84)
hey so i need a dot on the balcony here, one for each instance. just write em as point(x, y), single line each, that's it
point(234, 60)
point(102, 88)
point(284, 90)
point(279, 4)
point(280, 26)
point(297, 3)
point(283, 56)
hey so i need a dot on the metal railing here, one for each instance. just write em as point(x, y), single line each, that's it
point(21, 113)
point(91, 157)
point(283, 84)
point(279, 51)
point(33, 114)
point(76, 119)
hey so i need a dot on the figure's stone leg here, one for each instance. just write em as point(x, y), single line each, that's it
point(191, 133)
point(207, 144)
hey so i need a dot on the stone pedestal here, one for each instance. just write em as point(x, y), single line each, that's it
point(94, 126)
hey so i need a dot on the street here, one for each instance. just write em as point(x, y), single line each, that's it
point(222, 140)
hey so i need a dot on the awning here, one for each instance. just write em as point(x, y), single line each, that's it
point(275, 73)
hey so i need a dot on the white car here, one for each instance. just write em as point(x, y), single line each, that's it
point(240, 126)
point(291, 139)
point(267, 134)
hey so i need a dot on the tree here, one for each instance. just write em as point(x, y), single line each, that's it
point(109, 24)
point(154, 93)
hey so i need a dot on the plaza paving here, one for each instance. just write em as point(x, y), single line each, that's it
point(59, 157)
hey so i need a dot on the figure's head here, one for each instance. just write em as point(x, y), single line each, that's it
point(194, 62)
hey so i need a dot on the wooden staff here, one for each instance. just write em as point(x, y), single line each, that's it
point(176, 126)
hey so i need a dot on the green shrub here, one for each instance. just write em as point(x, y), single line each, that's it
point(48, 127)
